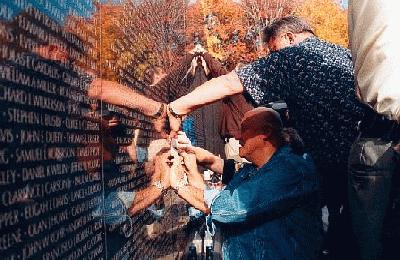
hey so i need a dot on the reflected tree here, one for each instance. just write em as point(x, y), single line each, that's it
point(154, 33)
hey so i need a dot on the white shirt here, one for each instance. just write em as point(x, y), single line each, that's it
point(374, 27)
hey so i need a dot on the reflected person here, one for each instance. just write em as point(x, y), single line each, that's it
point(121, 95)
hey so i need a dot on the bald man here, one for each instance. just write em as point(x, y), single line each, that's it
point(270, 209)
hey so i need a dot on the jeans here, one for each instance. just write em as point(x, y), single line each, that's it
point(373, 163)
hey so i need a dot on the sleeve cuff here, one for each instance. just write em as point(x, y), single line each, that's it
point(251, 82)
point(209, 195)
point(194, 213)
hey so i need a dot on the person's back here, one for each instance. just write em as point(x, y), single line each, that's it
point(288, 185)
point(325, 70)
point(315, 78)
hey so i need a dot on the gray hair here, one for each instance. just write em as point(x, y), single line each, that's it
point(291, 23)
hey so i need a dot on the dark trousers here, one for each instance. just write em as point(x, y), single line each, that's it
point(339, 240)
point(373, 163)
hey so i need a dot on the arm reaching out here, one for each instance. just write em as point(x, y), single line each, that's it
point(209, 92)
point(117, 94)
point(159, 183)
point(195, 197)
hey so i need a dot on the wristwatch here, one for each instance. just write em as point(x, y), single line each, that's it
point(172, 112)
point(159, 112)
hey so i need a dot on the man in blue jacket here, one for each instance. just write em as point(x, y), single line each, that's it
point(270, 209)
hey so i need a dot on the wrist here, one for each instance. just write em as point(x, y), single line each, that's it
point(160, 186)
point(160, 111)
point(175, 111)
point(165, 184)
point(182, 190)
point(178, 185)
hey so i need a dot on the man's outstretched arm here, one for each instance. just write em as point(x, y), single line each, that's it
point(194, 196)
point(117, 94)
point(144, 199)
point(209, 92)
point(120, 95)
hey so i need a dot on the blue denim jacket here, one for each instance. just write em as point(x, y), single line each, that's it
point(270, 213)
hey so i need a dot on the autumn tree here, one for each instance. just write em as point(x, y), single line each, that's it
point(133, 36)
point(328, 19)
point(154, 31)
point(100, 31)
point(259, 13)
point(220, 26)
point(130, 37)
point(231, 30)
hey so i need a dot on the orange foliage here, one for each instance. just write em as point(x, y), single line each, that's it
point(231, 30)
point(221, 26)
point(328, 19)
point(132, 37)
point(127, 39)
point(99, 32)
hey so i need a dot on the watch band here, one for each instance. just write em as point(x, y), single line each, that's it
point(160, 111)
point(173, 113)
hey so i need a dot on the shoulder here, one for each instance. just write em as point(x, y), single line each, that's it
point(318, 45)
point(289, 162)
point(275, 58)
point(246, 167)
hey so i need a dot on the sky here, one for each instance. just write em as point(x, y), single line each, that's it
point(345, 3)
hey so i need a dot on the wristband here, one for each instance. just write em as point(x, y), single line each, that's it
point(159, 112)
point(173, 113)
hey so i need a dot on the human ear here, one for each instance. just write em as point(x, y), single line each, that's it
point(266, 136)
point(291, 37)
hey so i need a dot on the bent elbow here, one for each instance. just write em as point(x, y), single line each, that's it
point(233, 83)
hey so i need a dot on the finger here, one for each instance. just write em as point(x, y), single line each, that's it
point(185, 149)
point(173, 133)
point(183, 141)
point(175, 126)
point(182, 137)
